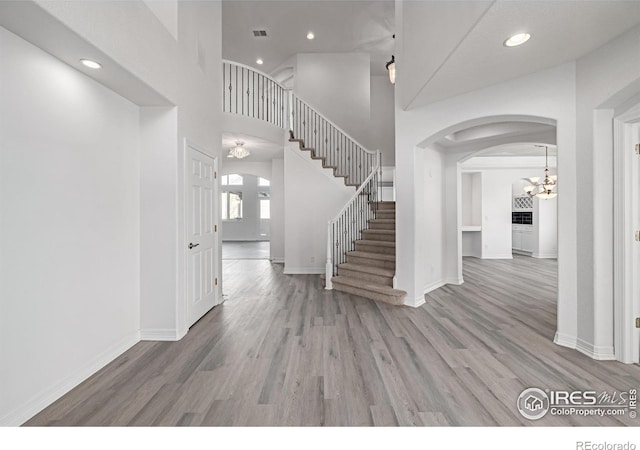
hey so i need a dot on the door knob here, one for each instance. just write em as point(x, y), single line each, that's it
point(192, 245)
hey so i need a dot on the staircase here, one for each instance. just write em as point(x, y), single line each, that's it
point(370, 268)
point(370, 261)
point(361, 239)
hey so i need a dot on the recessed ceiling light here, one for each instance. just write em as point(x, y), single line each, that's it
point(517, 39)
point(91, 64)
point(259, 61)
point(310, 35)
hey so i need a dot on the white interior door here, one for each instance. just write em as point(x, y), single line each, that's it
point(201, 245)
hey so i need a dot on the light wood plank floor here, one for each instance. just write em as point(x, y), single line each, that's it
point(282, 351)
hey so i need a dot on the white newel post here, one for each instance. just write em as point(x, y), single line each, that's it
point(329, 265)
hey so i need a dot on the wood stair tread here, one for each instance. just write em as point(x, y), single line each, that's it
point(377, 231)
point(378, 256)
point(376, 243)
point(368, 286)
point(367, 269)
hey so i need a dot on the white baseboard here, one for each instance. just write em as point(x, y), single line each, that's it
point(545, 255)
point(600, 353)
point(419, 301)
point(49, 395)
point(160, 334)
point(433, 286)
point(565, 340)
point(277, 260)
point(455, 281)
point(303, 270)
point(507, 256)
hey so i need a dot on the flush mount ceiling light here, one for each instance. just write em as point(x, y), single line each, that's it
point(310, 35)
point(238, 151)
point(545, 187)
point(517, 39)
point(259, 61)
point(91, 64)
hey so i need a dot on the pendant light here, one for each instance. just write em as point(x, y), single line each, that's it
point(543, 189)
point(391, 67)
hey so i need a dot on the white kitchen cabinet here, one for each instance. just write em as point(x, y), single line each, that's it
point(522, 238)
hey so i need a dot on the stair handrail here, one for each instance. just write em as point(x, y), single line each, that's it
point(347, 135)
point(257, 95)
point(329, 142)
point(253, 69)
point(372, 181)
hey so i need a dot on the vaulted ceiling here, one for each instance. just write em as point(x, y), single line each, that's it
point(453, 47)
point(338, 27)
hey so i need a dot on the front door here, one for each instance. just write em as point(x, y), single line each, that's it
point(202, 239)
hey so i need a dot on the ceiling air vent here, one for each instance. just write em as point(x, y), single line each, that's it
point(259, 33)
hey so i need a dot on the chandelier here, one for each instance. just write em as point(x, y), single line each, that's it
point(239, 151)
point(542, 189)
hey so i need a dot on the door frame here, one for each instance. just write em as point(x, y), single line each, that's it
point(626, 212)
point(182, 313)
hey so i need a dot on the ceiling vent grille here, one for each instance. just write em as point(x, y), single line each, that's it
point(259, 33)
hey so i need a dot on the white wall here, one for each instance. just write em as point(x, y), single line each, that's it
point(158, 179)
point(331, 81)
point(545, 225)
point(605, 80)
point(69, 229)
point(433, 226)
point(277, 210)
point(382, 125)
point(313, 196)
point(167, 13)
point(185, 73)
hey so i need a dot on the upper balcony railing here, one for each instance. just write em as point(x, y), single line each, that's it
point(251, 93)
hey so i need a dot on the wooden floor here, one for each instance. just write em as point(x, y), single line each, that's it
point(282, 351)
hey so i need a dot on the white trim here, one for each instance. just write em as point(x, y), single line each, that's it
point(303, 270)
point(565, 340)
point(599, 353)
point(49, 395)
point(433, 286)
point(279, 260)
point(160, 334)
point(454, 281)
point(508, 256)
point(545, 255)
point(625, 335)
point(418, 302)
